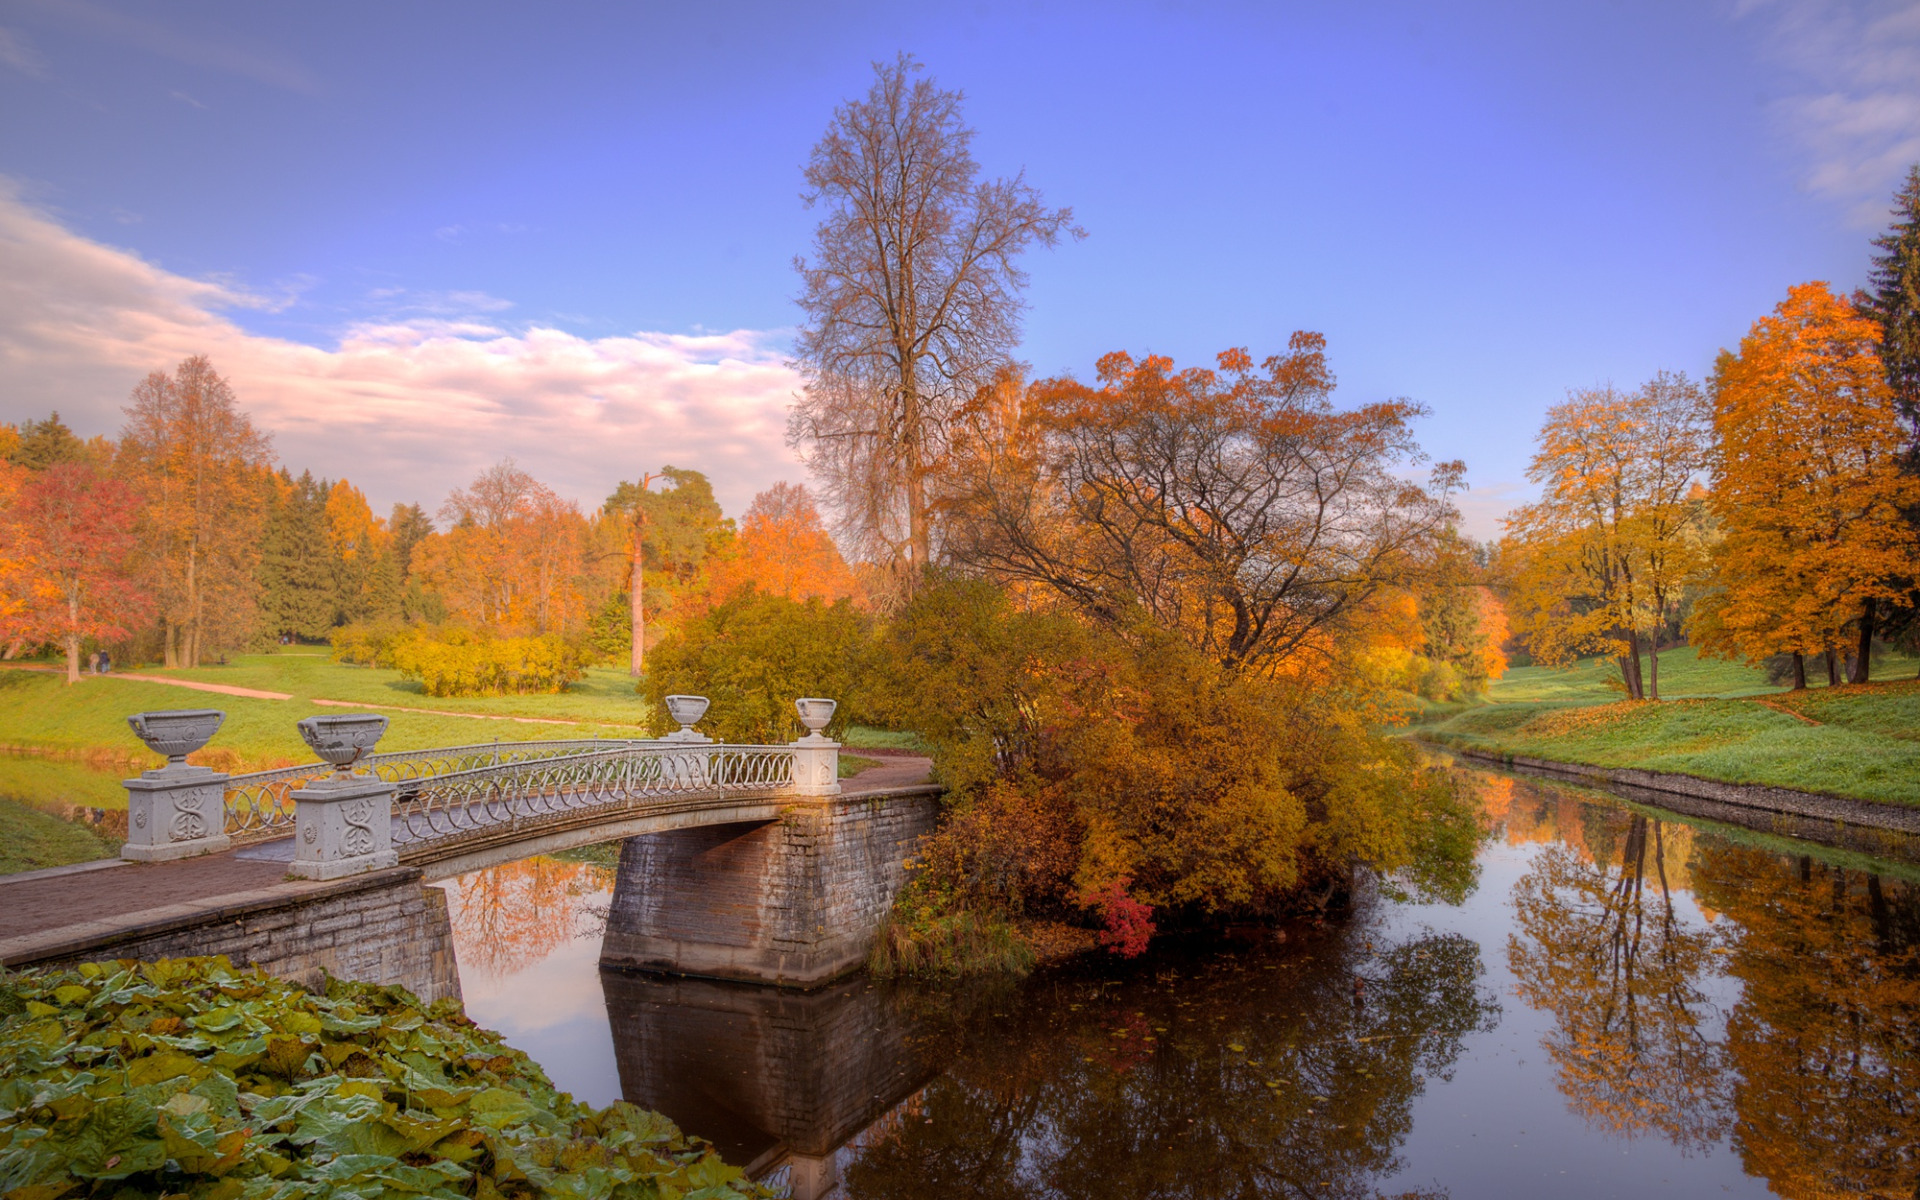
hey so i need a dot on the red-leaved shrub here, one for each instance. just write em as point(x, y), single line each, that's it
point(1129, 923)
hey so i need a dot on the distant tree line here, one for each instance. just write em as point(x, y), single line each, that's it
point(183, 541)
point(1772, 515)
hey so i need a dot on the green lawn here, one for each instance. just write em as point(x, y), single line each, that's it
point(88, 720)
point(71, 745)
point(1683, 676)
point(31, 839)
point(1716, 721)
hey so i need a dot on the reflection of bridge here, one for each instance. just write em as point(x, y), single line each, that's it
point(746, 862)
point(787, 1084)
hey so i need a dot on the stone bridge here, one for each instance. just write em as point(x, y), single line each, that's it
point(748, 863)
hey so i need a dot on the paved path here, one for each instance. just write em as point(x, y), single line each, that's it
point(75, 900)
point(225, 689)
point(196, 685)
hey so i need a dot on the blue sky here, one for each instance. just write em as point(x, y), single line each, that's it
point(1481, 205)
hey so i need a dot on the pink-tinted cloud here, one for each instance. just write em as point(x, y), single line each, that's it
point(408, 410)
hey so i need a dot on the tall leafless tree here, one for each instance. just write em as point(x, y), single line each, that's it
point(912, 300)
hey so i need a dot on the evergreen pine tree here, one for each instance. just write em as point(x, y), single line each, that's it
point(296, 564)
point(1893, 299)
point(42, 444)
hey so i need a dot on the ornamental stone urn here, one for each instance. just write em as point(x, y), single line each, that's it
point(814, 714)
point(687, 711)
point(343, 740)
point(816, 759)
point(177, 732)
point(176, 810)
point(343, 823)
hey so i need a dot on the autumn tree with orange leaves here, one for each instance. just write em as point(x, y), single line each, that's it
point(1601, 560)
point(510, 561)
point(1235, 506)
point(67, 575)
point(783, 549)
point(1808, 488)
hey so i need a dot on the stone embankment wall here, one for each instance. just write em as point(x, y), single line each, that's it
point(384, 928)
point(794, 901)
point(1830, 820)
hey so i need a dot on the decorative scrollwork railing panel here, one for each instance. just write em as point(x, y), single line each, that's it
point(261, 802)
point(461, 802)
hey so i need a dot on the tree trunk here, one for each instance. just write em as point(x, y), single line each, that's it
point(637, 657)
point(1862, 668)
point(1799, 671)
point(169, 643)
point(1630, 667)
point(1833, 669)
point(190, 635)
point(919, 538)
point(73, 658)
point(1653, 660)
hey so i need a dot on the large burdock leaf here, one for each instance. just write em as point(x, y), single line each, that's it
point(287, 1056)
point(115, 1140)
point(189, 1078)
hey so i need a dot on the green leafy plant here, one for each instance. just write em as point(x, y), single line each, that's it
point(191, 1078)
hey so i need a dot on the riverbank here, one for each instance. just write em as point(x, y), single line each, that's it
point(1855, 743)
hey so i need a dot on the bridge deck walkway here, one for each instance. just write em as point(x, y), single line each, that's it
point(68, 902)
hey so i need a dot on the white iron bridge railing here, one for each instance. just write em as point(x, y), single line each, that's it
point(461, 802)
point(261, 804)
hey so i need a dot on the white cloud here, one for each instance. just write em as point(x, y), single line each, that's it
point(1857, 117)
point(205, 46)
point(19, 54)
point(1483, 507)
point(409, 408)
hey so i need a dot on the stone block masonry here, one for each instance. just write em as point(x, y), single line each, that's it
point(383, 927)
point(793, 902)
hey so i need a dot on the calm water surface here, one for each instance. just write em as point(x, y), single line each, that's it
point(1627, 1005)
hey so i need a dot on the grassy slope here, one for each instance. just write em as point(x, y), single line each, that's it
point(1712, 724)
point(39, 711)
point(31, 839)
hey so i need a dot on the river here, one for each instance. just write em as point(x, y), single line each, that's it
point(1629, 1004)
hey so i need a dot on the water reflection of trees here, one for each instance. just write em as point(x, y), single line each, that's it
point(1824, 1045)
point(511, 916)
point(1196, 1082)
point(1813, 1073)
point(1599, 945)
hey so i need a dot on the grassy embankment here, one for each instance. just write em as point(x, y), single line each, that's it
point(63, 747)
point(1716, 720)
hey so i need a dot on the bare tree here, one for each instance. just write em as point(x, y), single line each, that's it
point(912, 302)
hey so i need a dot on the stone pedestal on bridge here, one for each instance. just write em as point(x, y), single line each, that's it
point(177, 811)
point(793, 902)
point(343, 826)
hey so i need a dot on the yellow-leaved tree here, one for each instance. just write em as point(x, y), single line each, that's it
point(1807, 486)
point(1601, 559)
point(203, 471)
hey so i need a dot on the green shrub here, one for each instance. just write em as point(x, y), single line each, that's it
point(753, 656)
point(460, 662)
point(189, 1078)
